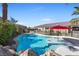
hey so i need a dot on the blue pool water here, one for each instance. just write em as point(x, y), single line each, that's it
point(37, 42)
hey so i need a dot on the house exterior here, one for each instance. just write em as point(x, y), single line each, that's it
point(74, 22)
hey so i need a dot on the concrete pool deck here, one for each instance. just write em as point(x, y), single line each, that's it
point(64, 51)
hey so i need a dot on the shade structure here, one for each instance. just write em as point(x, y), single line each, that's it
point(58, 27)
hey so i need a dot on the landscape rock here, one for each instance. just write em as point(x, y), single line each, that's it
point(13, 44)
point(28, 52)
point(6, 51)
point(31, 53)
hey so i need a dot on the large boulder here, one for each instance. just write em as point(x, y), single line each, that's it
point(13, 44)
point(6, 51)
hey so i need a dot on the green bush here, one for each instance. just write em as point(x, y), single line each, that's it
point(51, 32)
point(7, 31)
point(58, 33)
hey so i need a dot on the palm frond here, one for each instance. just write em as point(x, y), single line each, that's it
point(13, 20)
point(76, 12)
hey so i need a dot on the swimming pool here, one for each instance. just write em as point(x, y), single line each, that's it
point(38, 43)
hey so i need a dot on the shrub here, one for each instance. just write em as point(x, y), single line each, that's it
point(51, 32)
point(7, 31)
point(58, 33)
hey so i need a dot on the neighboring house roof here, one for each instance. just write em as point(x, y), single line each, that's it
point(53, 24)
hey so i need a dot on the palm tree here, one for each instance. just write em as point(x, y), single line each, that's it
point(75, 21)
point(4, 11)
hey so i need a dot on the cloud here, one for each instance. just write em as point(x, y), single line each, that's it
point(46, 19)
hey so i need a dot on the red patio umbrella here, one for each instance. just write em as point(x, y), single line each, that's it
point(58, 27)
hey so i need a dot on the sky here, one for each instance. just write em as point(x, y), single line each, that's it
point(33, 14)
